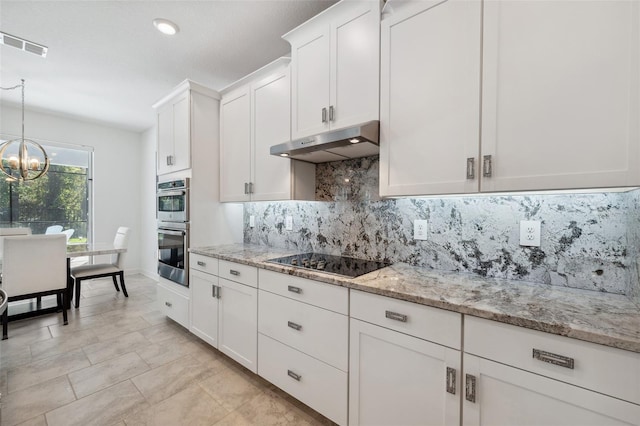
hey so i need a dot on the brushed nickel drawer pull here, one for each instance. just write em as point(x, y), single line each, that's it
point(295, 326)
point(487, 166)
point(168, 304)
point(324, 115)
point(470, 388)
point(234, 272)
point(451, 380)
point(293, 289)
point(395, 316)
point(555, 359)
point(201, 263)
point(294, 375)
point(471, 168)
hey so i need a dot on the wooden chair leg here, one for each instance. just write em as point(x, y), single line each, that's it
point(77, 285)
point(115, 283)
point(124, 289)
point(5, 322)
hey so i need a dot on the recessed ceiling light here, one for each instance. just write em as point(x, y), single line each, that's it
point(165, 26)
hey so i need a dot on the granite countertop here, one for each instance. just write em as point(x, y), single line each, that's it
point(604, 318)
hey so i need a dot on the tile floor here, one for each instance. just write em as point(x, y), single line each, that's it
point(120, 362)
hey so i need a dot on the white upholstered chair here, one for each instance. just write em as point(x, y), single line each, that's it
point(5, 232)
point(113, 269)
point(68, 233)
point(34, 266)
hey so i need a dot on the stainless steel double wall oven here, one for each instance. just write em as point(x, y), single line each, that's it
point(173, 230)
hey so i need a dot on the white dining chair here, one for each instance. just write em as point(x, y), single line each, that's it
point(34, 266)
point(113, 269)
point(5, 232)
point(53, 229)
point(68, 233)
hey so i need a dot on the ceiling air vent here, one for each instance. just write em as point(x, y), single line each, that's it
point(27, 46)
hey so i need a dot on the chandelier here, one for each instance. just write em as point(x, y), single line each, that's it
point(22, 159)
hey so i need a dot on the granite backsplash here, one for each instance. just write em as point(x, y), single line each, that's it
point(588, 241)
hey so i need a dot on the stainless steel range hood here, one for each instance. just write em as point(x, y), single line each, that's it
point(334, 145)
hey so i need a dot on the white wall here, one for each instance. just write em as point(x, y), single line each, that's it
point(148, 234)
point(117, 170)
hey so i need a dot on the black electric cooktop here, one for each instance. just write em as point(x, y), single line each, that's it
point(339, 265)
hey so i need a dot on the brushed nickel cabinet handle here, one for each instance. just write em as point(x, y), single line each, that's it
point(471, 168)
point(213, 291)
point(487, 166)
point(331, 113)
point(246, 187)
point(451, 380)
point(250, 187)
point(324, 115)
point(294, 375)
point(234, 272)
point(168, 304)
point(470, 388)
point(201, 263)
point(396, 316)
point(294, 289)
point(555, 359)
point(293, 325)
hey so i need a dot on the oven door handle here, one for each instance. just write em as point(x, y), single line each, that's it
point(171, 193)
point(171, 232)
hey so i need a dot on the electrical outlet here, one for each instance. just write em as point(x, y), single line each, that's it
point(420, 229)
point(288, 223)
point(252, 221)
point(530, 233)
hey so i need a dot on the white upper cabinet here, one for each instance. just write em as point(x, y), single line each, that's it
point(430, 97)
point(254, 115)
point(509, 96)
point(235, 145)
point(177, 125)
point(335, 73)
point(174, 144)
point(560, 94)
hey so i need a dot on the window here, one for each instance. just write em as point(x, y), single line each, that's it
point(61, 197)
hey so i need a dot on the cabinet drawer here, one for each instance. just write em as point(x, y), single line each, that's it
point(173, 305)
point(601, 368)
point(326, 296)
point(243, 274)
point(315, 383)
point(433, 324)
point(317, 332)
point(203, 263)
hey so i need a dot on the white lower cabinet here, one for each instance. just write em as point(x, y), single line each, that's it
point(515, 375)
point(173, 303)
point(504, 395)
point(303, 341)
point(224, 313)
point(396, 377)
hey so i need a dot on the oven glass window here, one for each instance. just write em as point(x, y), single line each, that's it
point(171, 250)
point(171, 203)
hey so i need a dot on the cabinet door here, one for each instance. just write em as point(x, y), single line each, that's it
point(181, 133)
point(561, 86)
point(310, 82)
point(396, 379)
point(509, 396)
point(429, 100)
point(271, 112)
point(204, 306)
point(235, 143)
point(174, 151)
point(165, 138)
point(355, 73)
point(238, 323)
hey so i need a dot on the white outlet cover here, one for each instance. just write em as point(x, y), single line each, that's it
point(420, 229)
point(530, 233)
point(252, 221)
point(288, 223)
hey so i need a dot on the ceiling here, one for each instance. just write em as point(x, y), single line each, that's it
point(107, 63)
